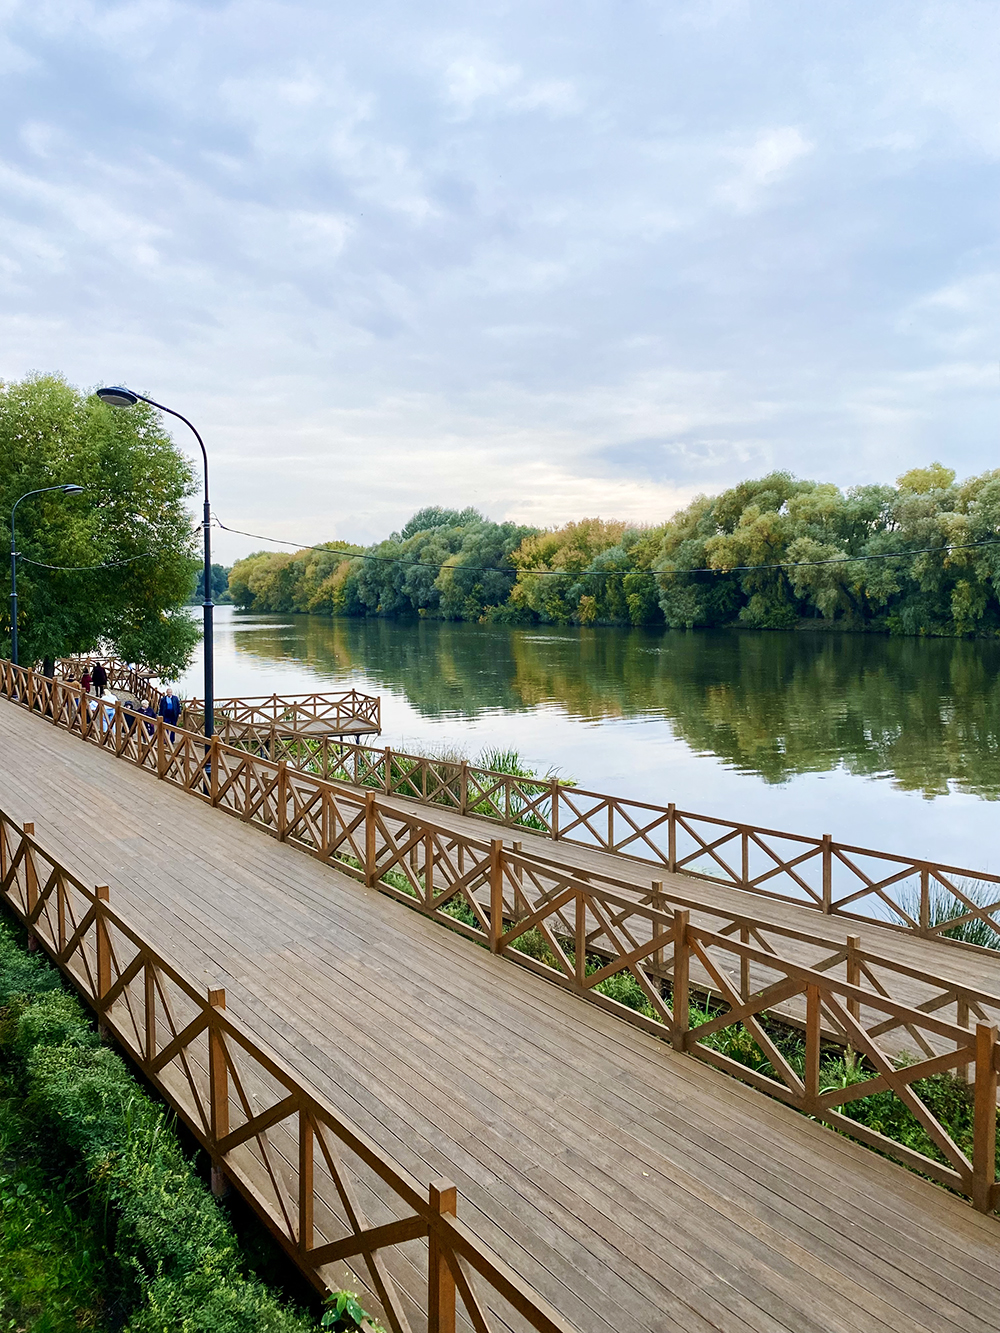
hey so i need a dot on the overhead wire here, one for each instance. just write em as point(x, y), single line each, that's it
point(613, 573)
point(109, 564)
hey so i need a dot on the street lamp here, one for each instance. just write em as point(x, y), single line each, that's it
point(116, 396)
point(70, 489)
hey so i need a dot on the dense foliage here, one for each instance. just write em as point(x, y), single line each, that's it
point(169, 1257)
point(220, 585)
point(750, 556)
point(133, 506)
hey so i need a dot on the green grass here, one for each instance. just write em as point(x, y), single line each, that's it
point(945, 906)
point(105, 1218)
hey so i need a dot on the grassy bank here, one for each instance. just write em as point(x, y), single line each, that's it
point(106, 1223)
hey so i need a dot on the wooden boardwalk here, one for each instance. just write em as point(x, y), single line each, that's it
point(634, 1187)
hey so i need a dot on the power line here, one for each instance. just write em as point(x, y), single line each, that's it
point(615, 573)
point(111, 564)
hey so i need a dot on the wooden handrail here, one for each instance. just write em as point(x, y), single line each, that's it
point(163, 1021)
point(834, 878)
point(588, 927)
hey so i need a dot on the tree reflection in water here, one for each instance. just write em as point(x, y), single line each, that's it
point(924, 711)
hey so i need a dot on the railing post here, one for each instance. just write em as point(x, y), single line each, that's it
point(30, 886)
point(811, 1079)
point(149, 998)
point(440, 1282)
point(984, 1146)
point(682, 977)
point(496, 892)
point(388, 770)
point(962, 1019)
point(161, 749)
point(103, 893)
point(306, 1184)
point(925, 900)
point(672, 838)
point(827, 873)
point(371, 815)
point(658, 904)
point(554, 809)
point(281, 814)
point(744, 859)
point(463, 788)
point(429, 870)
point(580, 941)
point(218, 1084)
point(853, 973)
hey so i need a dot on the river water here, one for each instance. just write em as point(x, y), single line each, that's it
point(886, 743)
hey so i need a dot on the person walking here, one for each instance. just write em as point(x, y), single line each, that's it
point(85, 679)
point(170, 709)
point(149, 712)
point(100, 679)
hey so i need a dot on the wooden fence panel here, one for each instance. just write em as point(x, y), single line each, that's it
point(338, 1204)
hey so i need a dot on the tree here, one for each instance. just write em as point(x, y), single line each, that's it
point(131, 522)
point(220, 585)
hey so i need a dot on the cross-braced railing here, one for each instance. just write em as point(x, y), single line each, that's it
point(835, 878)
point(580, 930)
point(122, 676)
point(831, 877)
point(299, 712)
point(325, 1189)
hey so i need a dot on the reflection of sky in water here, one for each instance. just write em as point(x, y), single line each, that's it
point(440, 685)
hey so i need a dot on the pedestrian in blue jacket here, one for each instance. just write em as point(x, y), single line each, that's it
point(170, 709)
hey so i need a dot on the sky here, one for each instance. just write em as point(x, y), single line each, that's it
point(551, 260)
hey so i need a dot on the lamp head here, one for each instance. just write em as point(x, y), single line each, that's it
point(116, 396)
point(71, 489)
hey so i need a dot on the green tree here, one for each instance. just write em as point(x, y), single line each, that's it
point(131, 521)
point(220, 585)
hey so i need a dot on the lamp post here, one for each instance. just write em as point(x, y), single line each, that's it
point(69, 489)
point(116, 396)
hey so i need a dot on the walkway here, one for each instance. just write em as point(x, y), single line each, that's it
point(636, 1188)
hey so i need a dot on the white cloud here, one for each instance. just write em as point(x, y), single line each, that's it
point(387, 257)
point(764, 163)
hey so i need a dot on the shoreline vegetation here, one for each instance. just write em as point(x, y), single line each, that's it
point(106, 1222)
point(751, 556)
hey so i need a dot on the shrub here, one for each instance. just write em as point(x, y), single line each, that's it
point(178, 1257)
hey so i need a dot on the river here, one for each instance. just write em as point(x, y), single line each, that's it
point(885, 743)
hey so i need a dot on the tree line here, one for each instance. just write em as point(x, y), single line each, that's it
point(752, 556)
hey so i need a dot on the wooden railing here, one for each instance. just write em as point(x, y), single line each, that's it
point(579, 930)
point(324, 1188)
point(122, 676)
point(832, 877)
point(297, 712)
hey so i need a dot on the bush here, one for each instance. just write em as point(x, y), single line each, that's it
point(177, 1256)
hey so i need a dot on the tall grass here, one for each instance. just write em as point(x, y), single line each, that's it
point(946, 906)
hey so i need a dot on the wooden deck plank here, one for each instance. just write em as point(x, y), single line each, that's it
point(545, 1109)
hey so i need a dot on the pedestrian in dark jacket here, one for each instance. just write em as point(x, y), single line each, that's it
point(100, 679)
point(170, 709)
point(85, 680)
point(149, 713)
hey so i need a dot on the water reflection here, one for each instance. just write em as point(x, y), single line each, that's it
point(925, 713)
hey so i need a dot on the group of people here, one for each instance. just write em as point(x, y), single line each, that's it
point(95, 676)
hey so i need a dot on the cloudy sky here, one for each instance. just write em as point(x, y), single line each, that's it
point(549, 259)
